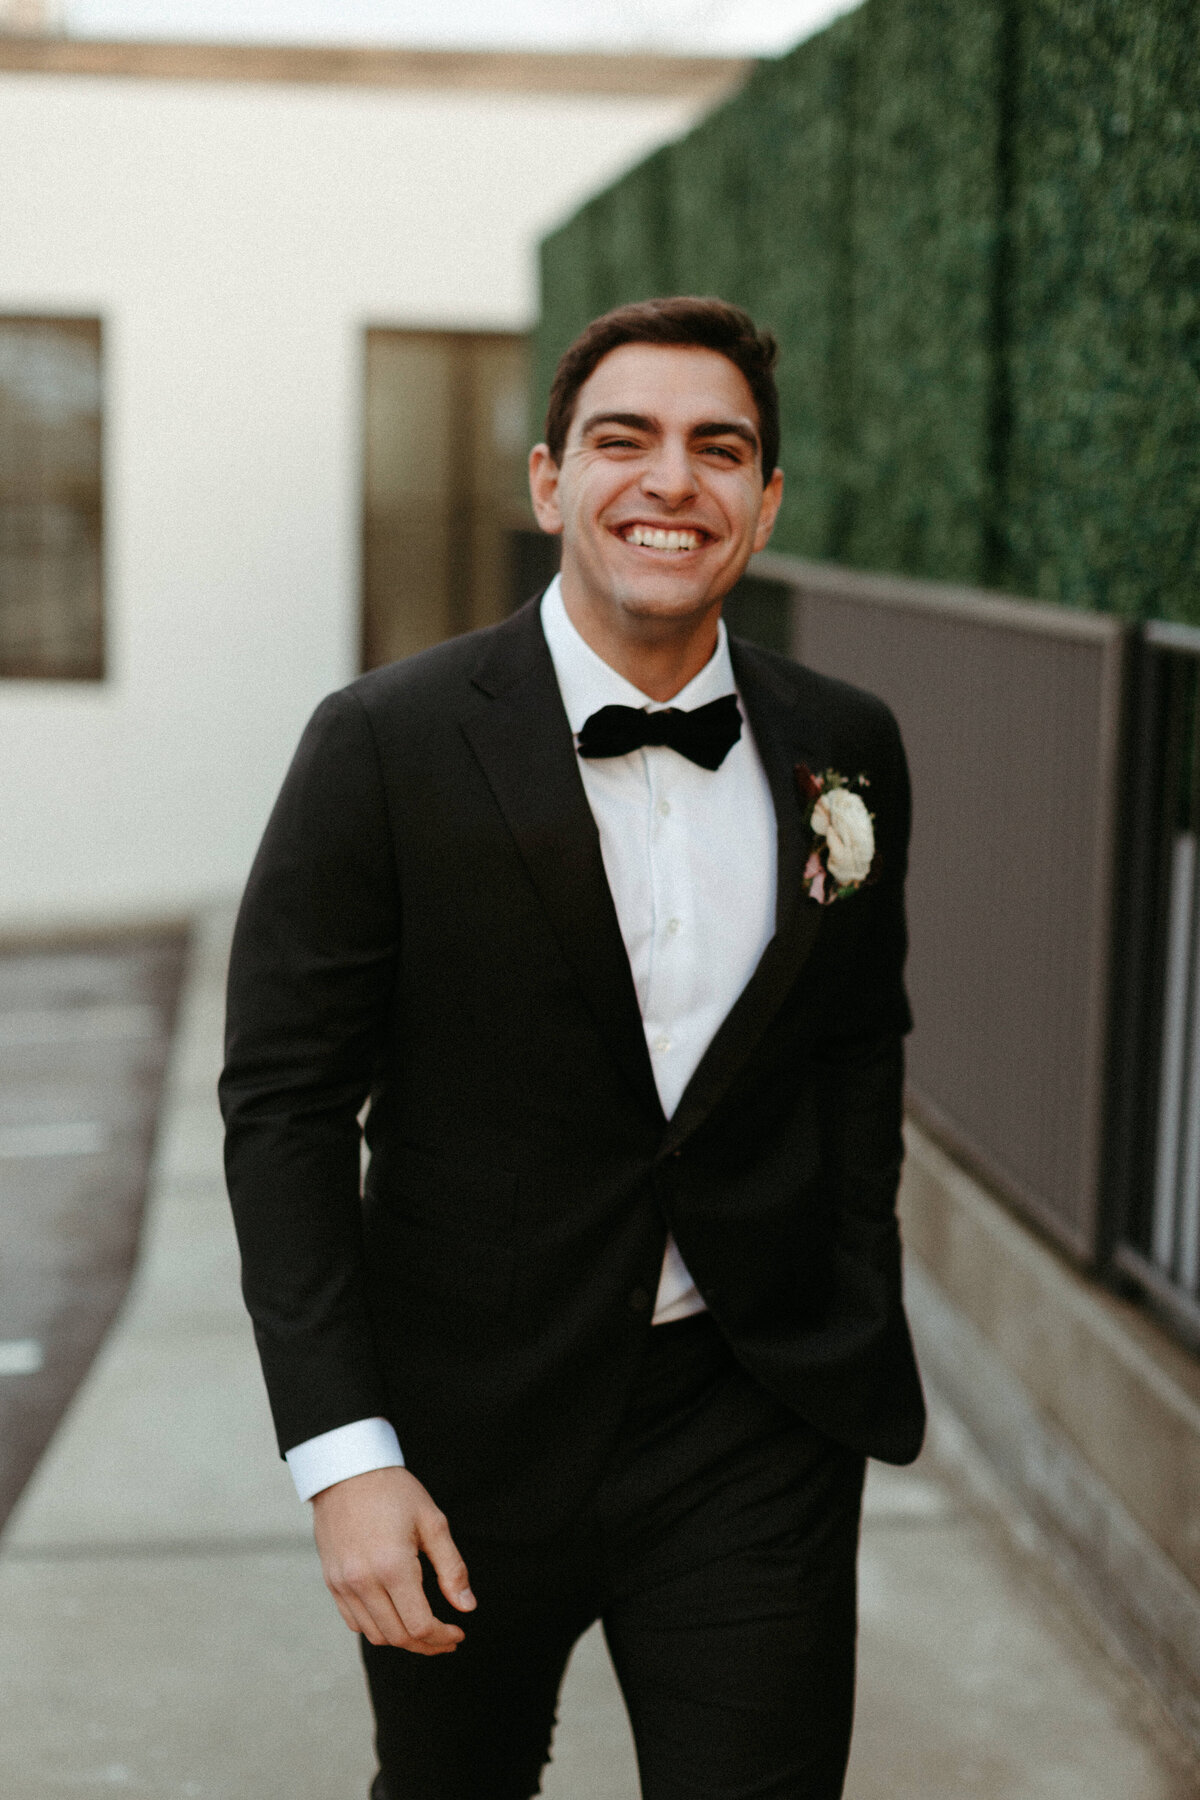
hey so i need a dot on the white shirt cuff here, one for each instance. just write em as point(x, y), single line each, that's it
point(345, 1451)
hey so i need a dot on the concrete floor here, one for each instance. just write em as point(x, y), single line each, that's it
point(164, 1632)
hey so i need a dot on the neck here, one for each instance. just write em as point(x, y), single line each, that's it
point(658, 656)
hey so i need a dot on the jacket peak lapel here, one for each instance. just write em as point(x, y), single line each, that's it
point(520, 736)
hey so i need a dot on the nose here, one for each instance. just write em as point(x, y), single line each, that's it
point(669, 476)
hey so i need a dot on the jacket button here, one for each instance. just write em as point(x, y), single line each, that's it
point(639, 1300)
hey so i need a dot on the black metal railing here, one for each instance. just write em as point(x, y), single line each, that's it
point(1155, 1150)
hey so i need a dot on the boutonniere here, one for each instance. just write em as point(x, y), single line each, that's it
point(843, 852)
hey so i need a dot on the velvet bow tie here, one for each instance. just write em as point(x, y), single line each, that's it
point(705, 735)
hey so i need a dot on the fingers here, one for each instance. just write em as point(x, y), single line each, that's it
point(402, 1599)
point(387, 1604)
point(357, 1619)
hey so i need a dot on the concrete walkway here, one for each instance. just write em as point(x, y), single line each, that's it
point(164, 1632)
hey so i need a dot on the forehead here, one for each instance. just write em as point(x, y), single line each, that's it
point(671, 383)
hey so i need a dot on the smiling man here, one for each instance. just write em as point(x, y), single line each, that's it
point(602, 911)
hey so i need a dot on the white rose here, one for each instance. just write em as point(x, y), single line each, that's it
point(842, 819)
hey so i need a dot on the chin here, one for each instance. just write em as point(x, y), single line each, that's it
point(649, 602)
point(662, 591)
point(663, 607)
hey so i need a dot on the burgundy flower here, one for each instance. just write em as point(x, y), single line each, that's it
point(808, 785)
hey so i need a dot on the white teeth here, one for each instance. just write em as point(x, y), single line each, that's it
point(648, 538)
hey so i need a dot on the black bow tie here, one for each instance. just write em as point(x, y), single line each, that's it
point(704, 736)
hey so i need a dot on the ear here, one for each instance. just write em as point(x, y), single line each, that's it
point(543, 489)
point(768, 512)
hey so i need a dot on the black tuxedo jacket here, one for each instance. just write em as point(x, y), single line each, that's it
point(428, 925)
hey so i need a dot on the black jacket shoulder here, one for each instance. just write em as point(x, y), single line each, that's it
point(848, 713)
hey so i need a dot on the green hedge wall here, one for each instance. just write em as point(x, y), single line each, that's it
point(925, 224)
point(975, 227)
point(1103, 486)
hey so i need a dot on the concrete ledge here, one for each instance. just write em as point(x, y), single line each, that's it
point(1086, 1411)
point(705, 78)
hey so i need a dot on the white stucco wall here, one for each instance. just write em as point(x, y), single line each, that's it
point(235, 239)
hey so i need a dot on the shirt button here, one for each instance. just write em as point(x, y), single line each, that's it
point(662, 1042)
point(639, 1301)
point(672, 927)
point(664, 807)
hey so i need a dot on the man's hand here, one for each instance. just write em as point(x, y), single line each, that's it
point(370, 1531)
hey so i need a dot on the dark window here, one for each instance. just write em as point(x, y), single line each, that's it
point(444, 484)
point(51, 593)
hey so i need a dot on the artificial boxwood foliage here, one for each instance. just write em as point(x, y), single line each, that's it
point(1102, 507)
point(777, 162)
point(616, 248)
point(566, 305)
point(975, 227)
point(924, 182)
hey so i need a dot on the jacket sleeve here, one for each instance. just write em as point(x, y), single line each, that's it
point(310, 992)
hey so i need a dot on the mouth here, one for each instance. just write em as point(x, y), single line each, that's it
point(674, 539)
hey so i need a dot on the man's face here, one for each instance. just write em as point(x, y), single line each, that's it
point(659, 499)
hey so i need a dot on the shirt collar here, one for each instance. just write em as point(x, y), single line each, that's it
point(586, 682)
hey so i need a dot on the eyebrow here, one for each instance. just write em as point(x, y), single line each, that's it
point(708, 428)
point(726, 428)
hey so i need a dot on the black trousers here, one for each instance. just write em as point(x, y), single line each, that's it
point(719, 1552)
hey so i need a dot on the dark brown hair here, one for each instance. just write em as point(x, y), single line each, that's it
point(686, 320)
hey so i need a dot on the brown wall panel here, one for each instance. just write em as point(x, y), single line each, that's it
point(1010, 712)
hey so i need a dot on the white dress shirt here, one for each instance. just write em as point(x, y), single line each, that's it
point(690, 856)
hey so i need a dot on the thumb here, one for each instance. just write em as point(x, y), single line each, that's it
point(448, 1565)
